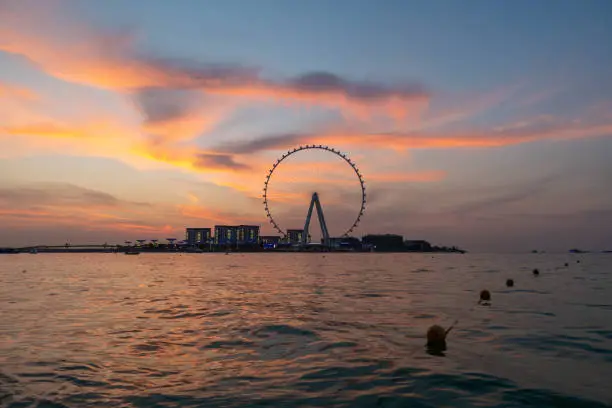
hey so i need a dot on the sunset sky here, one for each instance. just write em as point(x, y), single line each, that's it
point(483, 124)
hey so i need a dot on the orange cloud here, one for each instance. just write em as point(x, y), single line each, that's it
point(171, 115)
point(9, 212)
point(193, 198)
point(190, 158)
point(34, 133)
point(74, 52)
point(539, 129)
point(53, 130)
point(62, 206)
point(16, 92)
point(200, 212)
point(156, 231)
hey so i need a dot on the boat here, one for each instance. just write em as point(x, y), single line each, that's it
point(132, 252)
point(33, 251)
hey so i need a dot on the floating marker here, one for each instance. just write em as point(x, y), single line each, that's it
point(485, 296)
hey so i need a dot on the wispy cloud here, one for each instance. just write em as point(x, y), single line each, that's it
point(64, 206)
point(178, 99)
point(218, 161)
point(500, 197)
point(538, 129)
point(174, 115)
point(56, 194)
point(82, 54)
point(13, 92)
point(58, 130)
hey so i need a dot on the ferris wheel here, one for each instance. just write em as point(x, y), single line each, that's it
point(315, 200)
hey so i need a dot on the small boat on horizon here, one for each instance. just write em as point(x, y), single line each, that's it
point(132, 252)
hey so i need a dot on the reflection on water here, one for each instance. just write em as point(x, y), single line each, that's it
point(303, 330)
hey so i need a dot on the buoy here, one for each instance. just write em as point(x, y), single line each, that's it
point(509, 283)
point(536, 271)
point(566, 264)
point(578, 261)
point(436, 337)
point(485, 296)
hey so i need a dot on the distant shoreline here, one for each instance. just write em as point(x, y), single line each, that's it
point(9, 251)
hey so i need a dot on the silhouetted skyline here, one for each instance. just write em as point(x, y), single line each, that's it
point(484, 124)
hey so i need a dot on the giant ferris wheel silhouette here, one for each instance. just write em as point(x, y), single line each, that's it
point(315, 201)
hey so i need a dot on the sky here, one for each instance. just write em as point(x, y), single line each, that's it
point(482, 124)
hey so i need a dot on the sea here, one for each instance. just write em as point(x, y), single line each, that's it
point(304, 330)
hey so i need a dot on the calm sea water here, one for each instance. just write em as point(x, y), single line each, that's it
point(240, 330)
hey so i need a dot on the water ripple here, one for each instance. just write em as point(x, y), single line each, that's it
point(301, 330)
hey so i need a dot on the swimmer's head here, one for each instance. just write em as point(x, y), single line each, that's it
point(436, 337)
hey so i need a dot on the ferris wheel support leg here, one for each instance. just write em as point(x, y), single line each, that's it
point(307, 223)
point(324, 231)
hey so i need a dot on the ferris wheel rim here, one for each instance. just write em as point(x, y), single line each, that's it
point(336, 152)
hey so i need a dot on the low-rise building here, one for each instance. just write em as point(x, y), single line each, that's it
point(386, 242)
point(294, 236)
point(197, 236)
point(226, 235)
point(269, 241)
point(345, 243)
point(248, 235)
point(418, 245)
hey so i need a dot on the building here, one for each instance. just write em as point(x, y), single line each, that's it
point(197, 236)
point(386, 242)
point(269, 241)
point(226, 235)
point(345, 243)
point(417, 245)
point(294, 236)
point(248, 235)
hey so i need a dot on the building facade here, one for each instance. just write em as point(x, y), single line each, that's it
point(294, 236)
point(345, 243)
point(248, 235)
point(226, 235)
point(269, 241)
point(197, 236)
point(386, 242)
point(417, 245)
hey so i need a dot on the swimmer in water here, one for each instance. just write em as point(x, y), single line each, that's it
point(436, 337)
